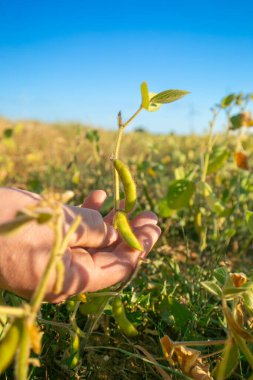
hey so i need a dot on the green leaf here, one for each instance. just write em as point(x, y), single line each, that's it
point(236, 121)
point(229, 362)
point(239, 99)
point(221, 275)
point(217, 159)
point(163, 209)
point(8, 133)
point(227, 101)
point(152, 105)
point(249, 220)
point(248, 301)
point(232, 293)
point(92, 135)
point(144, 95)
point(213, 288)
point(240, 120)
point(171, 307)
point(168, 96)
point(179, 193)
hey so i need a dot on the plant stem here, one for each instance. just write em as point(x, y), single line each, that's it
point(121, 128)
point(11, 311)
point(209, 146)
point(41, 288)
point(132, 117)
point(200, 343)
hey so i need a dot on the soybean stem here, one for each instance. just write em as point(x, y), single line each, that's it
point(121, 127)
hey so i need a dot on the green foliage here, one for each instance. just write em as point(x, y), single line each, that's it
point(227, 100)
point(180, 193)
point(185, 289)
point(217, 159)
point(168, 96)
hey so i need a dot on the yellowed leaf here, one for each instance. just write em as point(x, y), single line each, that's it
point(36, 338)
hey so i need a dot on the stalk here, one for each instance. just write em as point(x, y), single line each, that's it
point(121, 127)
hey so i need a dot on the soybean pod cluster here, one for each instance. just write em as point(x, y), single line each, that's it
point(121, 222)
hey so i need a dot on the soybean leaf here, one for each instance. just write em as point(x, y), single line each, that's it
point(8, 133)
point(248, 301)
point(144, 95)
point(249, 220)
point(168, 96)
point(231, 293)
point(240, 120)
point(227, 100)
point(217, 159)
point(236, 121)
point(229, 362)
point(213, 288)
point(153, 106)
point(221, 274)
point(171, 307)
point(163, 209)
point(179, 193)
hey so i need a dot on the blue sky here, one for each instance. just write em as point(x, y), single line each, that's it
point(82, 61)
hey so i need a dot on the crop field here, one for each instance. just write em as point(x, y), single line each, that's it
point(190, 303)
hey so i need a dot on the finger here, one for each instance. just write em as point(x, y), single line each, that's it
point(109, 268)
point(95, 200)
point(92, 232)
point(143, 218)
point(147, 236)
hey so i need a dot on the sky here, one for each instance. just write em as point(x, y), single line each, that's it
point(84, 61)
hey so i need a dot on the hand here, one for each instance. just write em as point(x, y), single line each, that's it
point(95, 259)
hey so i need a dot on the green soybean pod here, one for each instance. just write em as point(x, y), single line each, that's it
point(128, 184)
point(122, 225)
point(93, 305)
point(74, 352)
point(9, 345)
point(120, 317)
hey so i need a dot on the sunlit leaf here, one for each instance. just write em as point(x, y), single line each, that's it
point(180, 193)
point(241, 119)
point(212, 287)
point(229, 362)
point(152, 107)
point(227, 101)
point(144, 95)
point(168, 96)
point(163, 209)
point(217, 159)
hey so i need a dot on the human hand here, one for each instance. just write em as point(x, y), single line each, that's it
point(96, 257)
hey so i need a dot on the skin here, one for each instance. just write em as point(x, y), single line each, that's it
point(96, 257)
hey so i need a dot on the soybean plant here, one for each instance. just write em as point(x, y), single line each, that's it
point(121, 173)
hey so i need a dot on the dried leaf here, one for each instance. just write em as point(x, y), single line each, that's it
point(36, 338)
point(187, 359)
point(239, 279)
point(241, 160)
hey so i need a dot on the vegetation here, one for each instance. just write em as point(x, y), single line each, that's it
point(188, 313)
